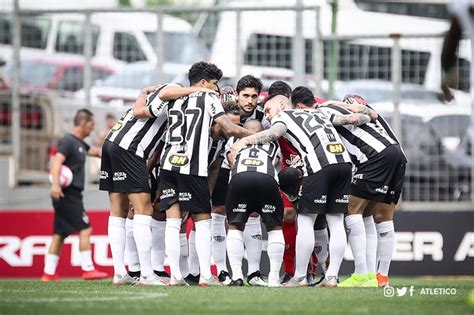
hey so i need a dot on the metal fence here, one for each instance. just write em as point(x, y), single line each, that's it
point(75, 59)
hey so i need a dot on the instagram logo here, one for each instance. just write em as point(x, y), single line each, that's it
point(388, 291)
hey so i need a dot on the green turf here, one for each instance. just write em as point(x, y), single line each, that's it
point(71, 297)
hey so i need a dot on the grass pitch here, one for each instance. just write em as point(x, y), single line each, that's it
point(71, 297)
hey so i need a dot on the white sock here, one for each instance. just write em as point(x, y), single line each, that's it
point(183, 254)
point(385, 245)
point(116, 233)
point(50, 264)
point(371, 239)
point(142, 236)
point(356, 235)
point(253, 243)
point(158, 244)
point(172, 246)
point(131, 252)
point(275, 250)
point(304, 244)
point(193, 261)
point(218, 241)
point(235, 251)
point(86, 260)
point(337, 242)
point(203, 247)
point(321, 244)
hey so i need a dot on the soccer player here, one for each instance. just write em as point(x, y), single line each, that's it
point(69, 213)
point(375, 191)
point(124, 174)
point(184, 168)
point(254, 187)
point(326, 161)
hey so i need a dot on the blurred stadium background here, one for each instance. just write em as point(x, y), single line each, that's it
point(58, 56)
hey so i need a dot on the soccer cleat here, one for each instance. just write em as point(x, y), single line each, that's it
point(192, 280)
point(162, 274)
point(354, 280)
point(177, 282)
point(382, 280)
point(48, 278)
point(237, 283)
point(310, 280)
point(274, 283)
point(123, 280)
point(153, 280)
point(296, 283)
point(94, 275)
point(255, 279)
point(212, 281)
point(318, 283)
point(286, 277)
point(329, 282)
point(224, 277)
point(371, 283)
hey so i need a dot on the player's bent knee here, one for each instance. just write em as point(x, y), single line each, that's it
point(218, 210)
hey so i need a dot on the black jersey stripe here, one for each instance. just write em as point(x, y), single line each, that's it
point(154, 141)
point(357, 142)
point(196, 132)
point(140, 134)
point(123, 132)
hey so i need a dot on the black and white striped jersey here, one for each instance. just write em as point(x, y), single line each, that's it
point(365, 141)
point(216, 149)
point(312, 134)
point(259, 115)
point(257, 158)
point(140, 136)
point(187, 146)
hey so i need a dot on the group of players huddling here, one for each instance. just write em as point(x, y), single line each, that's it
point(298, 164)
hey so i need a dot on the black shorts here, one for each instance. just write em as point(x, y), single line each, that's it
point(192, 192)
point(254, 192)
point(69, 213)
point(381, 178)
point(326, 191)
point(219, 194)
point(123, 171)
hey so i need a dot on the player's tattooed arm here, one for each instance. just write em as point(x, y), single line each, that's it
point(355, 108)
point(350, 119)
point(231, 129)
point(139, 108)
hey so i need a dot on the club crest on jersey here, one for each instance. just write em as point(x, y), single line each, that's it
point(178, 160)
point(117, 126)
point(252, 162)
point(335, 148)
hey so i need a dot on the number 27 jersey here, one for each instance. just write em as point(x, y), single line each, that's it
point(312, 134)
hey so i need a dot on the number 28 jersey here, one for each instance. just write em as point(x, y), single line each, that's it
point(312, 134)
point(189, 122)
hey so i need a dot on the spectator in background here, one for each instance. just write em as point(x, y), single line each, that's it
point(69, 213)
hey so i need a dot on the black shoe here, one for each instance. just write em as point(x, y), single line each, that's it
point(224, 277)
point(162, 274)
point(134, 274)
point(256, 279)
point(286, 277)
point(192, 280)
point(237, 283)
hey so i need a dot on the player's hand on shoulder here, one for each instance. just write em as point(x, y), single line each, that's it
point(56, 191)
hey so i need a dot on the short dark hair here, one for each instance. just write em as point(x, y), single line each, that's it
point(82, 115)
point(289, 178)
point(203, 70)
point(231, 107)
point(302, 94)
point(280, 88)
point(249, 81)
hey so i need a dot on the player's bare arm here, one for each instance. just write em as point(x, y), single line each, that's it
point(57, 162)
point(350, 119)
point(275, 132)
point(355, 108)
point(172, 92)
point(95, 151)
point(231, 129)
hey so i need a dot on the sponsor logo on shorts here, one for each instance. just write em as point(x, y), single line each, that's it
point(117, 126)
point(241, 207)
point(335, 148)
point(185, 196)
point(382, 190)
point(323, 199)
point(119, 176)
point(178, 160)
point(168, 193)
point(268, 209)
point(252, 162)
point(359, 176)
point(104, 175)
point(344, 199)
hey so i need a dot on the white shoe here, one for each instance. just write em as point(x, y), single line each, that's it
point(177, 282)
point(255, 279)
point(329, 282)
point(296, 283)
point(153, 279)
point(123, 280)
point(274, 283)
point(212, 281)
